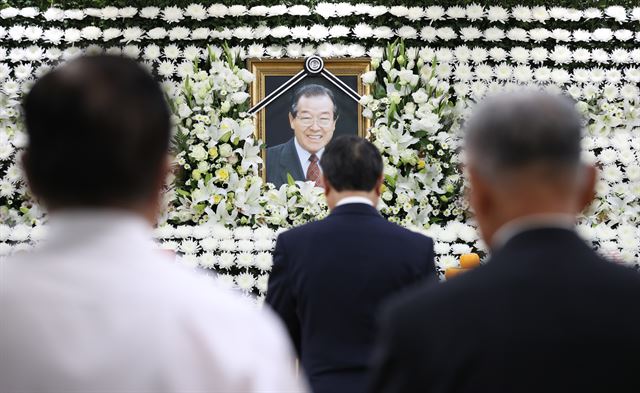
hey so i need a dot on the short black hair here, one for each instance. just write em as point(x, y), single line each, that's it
point(351, 163)
point(99, 130)
point(312, 90)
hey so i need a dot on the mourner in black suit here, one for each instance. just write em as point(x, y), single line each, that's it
point(330, 276)
point(545, 313)
point(312, 117)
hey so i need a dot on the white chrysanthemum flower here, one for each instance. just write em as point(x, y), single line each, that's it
point(602, 35)
point(179, 33)
point(109, 13)
point(415, 13)
point(362, 30)
point(274, 51)
point(209, 244)
point(372, 11)
point(540, 14)
point(23, 71)
point(462, 54)
point(518, 34)
point(447, 261)
point(407, 33)
point(111, 33)
point(220, 10)
point(456, 12)
point(152, 52)
point(623, 35)
point(72, 35)
point(196, 12)
point(245, 260)
point(561, 55)
point(561, 35)
point(208, 260)
point(245, 281)
point(318, 32)
point(498, 54)
point(243, 233)
point(484, 72)
point(629, 92)
point(228, 245)
point(470, 33)
point(633, 172)
point(132, 34)
point(172, 52)
point(616, 12)
point(612, 174)
point(539, 34)
point(428, 33)
point(459, 249)
point(325, 10)
point(255, 51)
point(581, 55)
point(33, 33)
point(441, 248)
point(264, 261)
point(9, 12)
point(150, 12)
point(479, 55)
point(172, 14)
point(542, 74)
point(238, 10)
point(493, 34)
point(191, 53)
point(53, 14)
point(539, 55)
point(226, 260)
point(632, 74)
point(91, 33)
point(245, 246)
point(600, 56)
point(298, 10)
point(446, 34)
point(166, 69)
point(356, 50)
point(399, 11)
point(5, 71)
point(619, 56)
point(338, 31)
point(73, 52)
point(127, 12)
point(164, 231)
point(171, 245)
point(189, 246)
point(262, 283)
point(280, 32)
point(263, 245)
point(434, 12)
point(474, 12)
point(522, 13)
point(519, 54)
point(183, 231)
point(75, 14)
point(497, 14)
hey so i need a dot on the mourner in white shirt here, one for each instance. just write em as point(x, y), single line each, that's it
point(99, 307)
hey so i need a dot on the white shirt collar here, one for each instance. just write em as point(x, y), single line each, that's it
point(354, 199)
point(304, 155)
point(527, 223)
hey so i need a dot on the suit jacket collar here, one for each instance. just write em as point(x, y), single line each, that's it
point(527, 243)
point(355, 208)
point(290, 162)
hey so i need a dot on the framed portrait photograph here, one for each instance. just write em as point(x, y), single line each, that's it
point(299, 123)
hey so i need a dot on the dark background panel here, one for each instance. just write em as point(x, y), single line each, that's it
point(277, 129)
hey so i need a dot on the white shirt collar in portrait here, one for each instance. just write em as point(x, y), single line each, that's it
point(100, 307)
point(354, 199)
point(530, 222)
point(304, 155)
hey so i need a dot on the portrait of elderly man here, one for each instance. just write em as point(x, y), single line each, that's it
point(312, 116)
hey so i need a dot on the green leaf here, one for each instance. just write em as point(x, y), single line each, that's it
point(290, 180)
point(183, 192)
point(225, 138)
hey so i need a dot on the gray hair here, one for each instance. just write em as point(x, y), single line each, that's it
point(515, 130)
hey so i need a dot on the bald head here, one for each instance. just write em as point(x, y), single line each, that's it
point(523, 159)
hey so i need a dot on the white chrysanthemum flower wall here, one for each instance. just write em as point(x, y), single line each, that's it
point(220, 215)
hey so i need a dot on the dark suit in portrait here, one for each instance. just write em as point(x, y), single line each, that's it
point(282, 160)
point(329, 278)
point(546, 313)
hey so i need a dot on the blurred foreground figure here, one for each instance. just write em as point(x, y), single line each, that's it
point(330, 276)
point(98, 308)
point(546, 313)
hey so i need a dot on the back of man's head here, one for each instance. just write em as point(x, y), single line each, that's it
point(523, 157)
point(351, 165)
point(99, 131)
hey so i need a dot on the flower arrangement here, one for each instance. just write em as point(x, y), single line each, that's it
point(430, 65)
